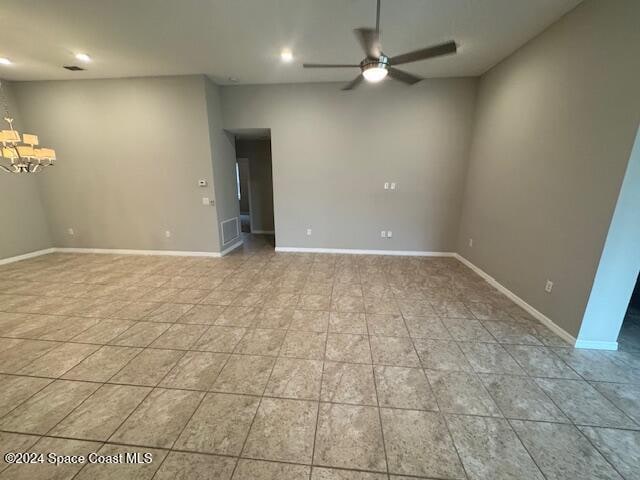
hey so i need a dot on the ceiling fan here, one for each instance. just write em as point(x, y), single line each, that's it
point(376, 65)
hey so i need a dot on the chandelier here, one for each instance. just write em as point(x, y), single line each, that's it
point(20, 155)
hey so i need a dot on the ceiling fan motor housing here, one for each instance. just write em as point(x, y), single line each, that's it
point(381, 62)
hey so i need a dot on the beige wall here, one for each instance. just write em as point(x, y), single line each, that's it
point(130, 154)
point(258, 154)
point(553, 132)
point(23, 223)
point(223, 156)
point(332, 151)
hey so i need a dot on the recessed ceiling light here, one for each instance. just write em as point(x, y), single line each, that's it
point(5, 61)
point(83, 57)
point(286, 55)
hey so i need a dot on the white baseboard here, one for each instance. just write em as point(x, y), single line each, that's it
point(354, 251)
point(595, 345)
point(120, 251)
point(231, 248)
point(26, 256)
point(126, 251)
point(541, 317)
point(263, 232)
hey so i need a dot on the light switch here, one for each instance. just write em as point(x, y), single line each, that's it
point(386, 185)
point(393, 185)
point(389, 234)
point(205, 201)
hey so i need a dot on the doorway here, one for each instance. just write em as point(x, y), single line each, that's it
point(629, 339)
point(254, 179)
point(242, 186)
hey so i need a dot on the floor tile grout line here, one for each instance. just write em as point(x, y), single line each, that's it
point(5, 415)
point(246, 438)
point(605, 457)
point(53, 379)
point(124, 331)
point(215, 351)
point(458, 414)
point(40, 339)
point(192, 413)
point(41, 354)
point(56, 348)
point(151, 390)
point(195, 452)
point(621, 411)
point(575, 427)
point(633, 419)
point(324, 357)
point(571, 422)
point(265, 304)
point(444, 421)
point(224, 392)
point(187, 351)
point(104, 442)
point(502, 416)
point(375, 386)
point(102, 384)
point(582, 379)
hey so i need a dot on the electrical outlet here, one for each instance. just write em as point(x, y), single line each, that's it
point(167, 233)
point(471, 242)
point(70, 231)
point(308, 232)
point(383, 234)
point(389, 234)
point(548, 286)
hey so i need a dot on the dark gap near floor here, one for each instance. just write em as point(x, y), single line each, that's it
point(629, 339)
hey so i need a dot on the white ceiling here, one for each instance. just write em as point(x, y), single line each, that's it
point(243, 38)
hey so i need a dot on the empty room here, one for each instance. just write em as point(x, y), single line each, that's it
point(319, 239)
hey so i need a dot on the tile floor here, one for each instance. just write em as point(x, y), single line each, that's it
point(298, 366)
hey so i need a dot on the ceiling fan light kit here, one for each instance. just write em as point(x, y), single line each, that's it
point(375, 70)
point(376, 66)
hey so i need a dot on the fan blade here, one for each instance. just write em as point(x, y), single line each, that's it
point(403, 76)
point(328, 65)
point(425, 53)
point(369, 40)
point(353, 83)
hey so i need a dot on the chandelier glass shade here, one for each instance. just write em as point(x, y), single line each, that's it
point(21, 153)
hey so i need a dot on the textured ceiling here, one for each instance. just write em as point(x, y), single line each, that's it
point(243, 38)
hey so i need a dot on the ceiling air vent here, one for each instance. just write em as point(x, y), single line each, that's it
point(74, 68)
